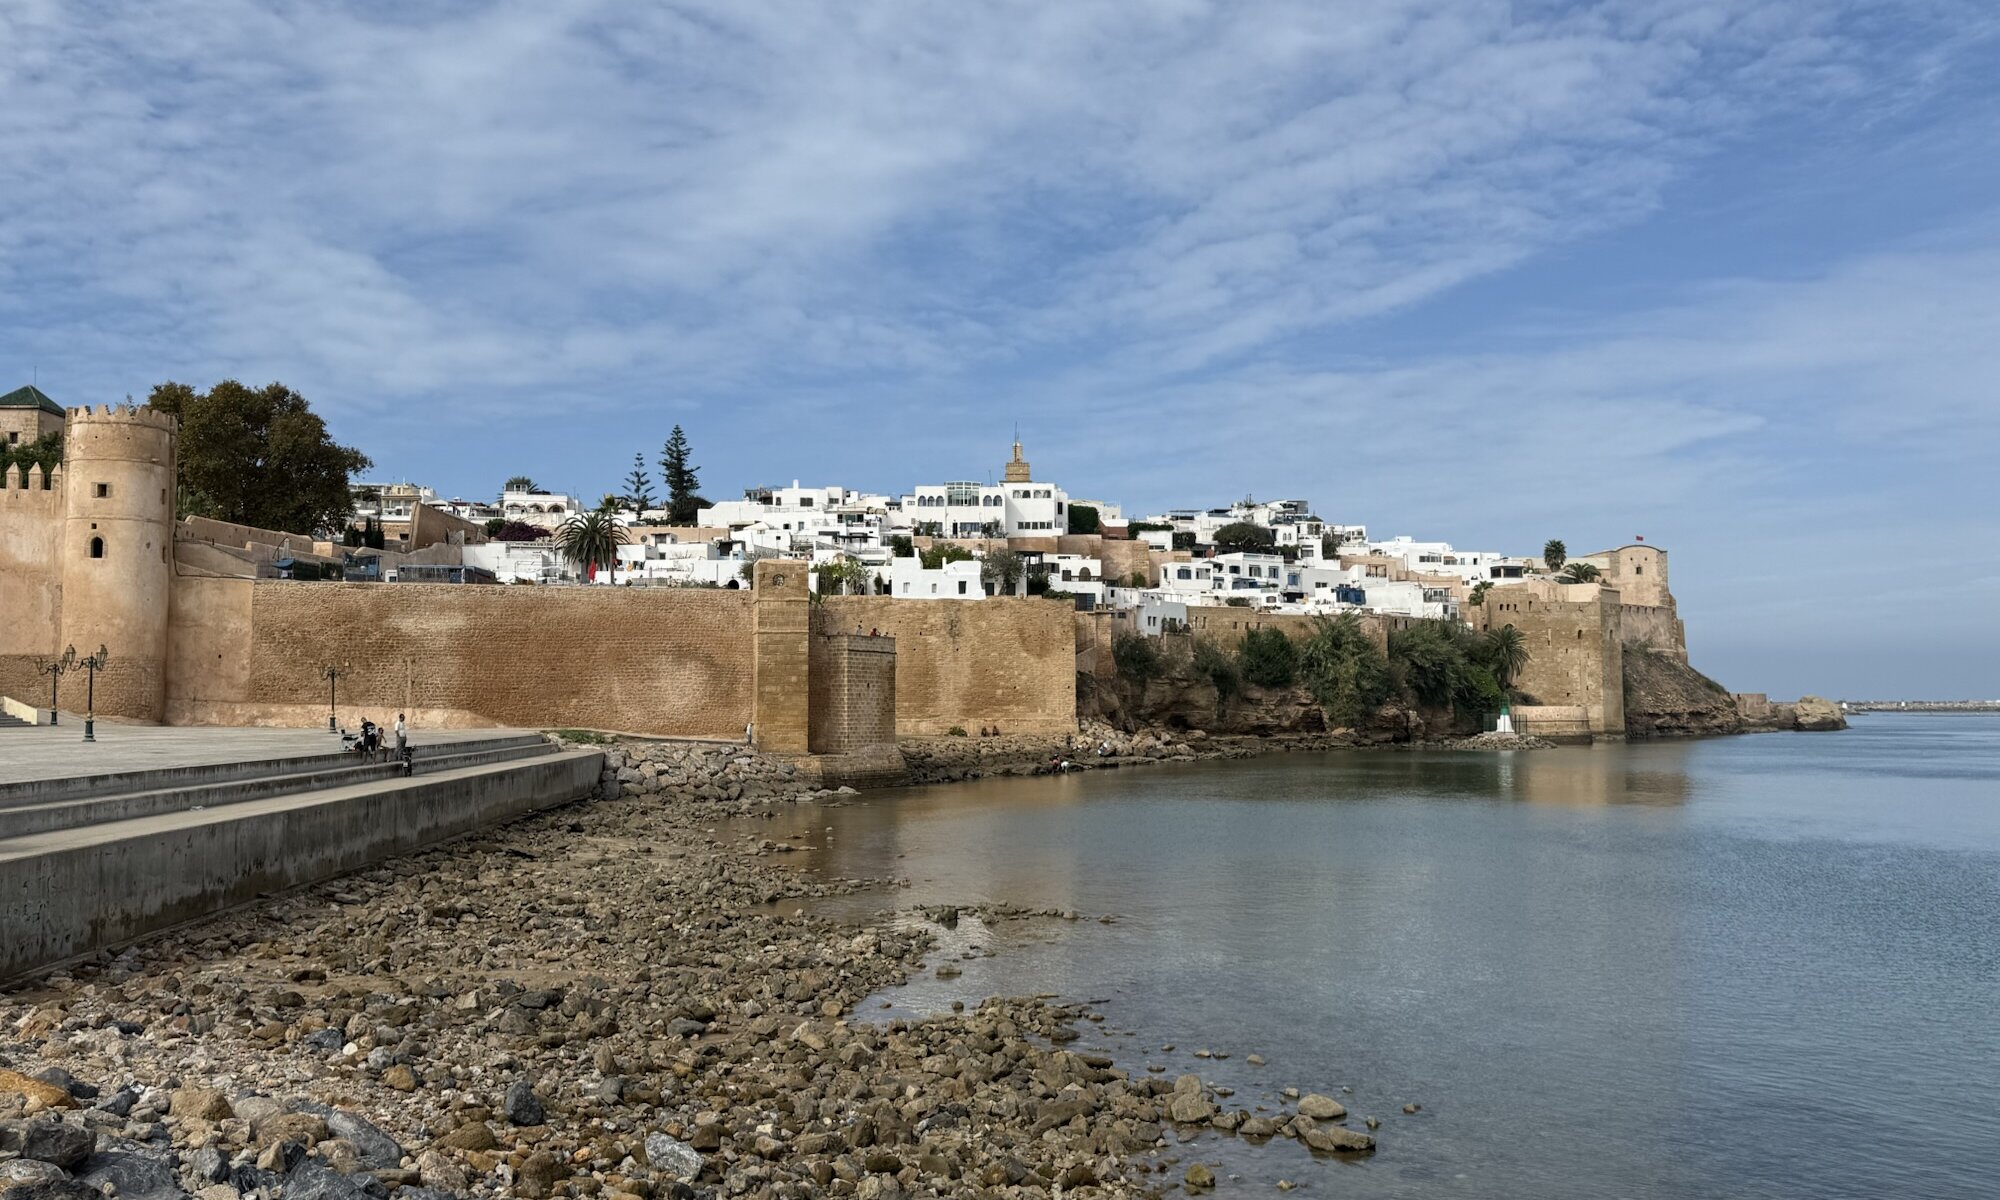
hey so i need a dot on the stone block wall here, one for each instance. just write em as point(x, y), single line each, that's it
point(1573, 634)
point(853, 693)
point(781, 667)
point(1006, 661)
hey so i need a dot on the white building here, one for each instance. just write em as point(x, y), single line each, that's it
point(1016, 507)
point(1438, 558)
point(909, 579)
point(545, 510)
point(520, 562)
point(1411, 599)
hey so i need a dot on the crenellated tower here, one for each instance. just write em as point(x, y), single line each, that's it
point(117, 550)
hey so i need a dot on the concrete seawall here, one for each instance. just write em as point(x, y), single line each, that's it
point(70, 892)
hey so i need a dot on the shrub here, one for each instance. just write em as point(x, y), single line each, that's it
point(1242, 535)
point(1268, 658)
point(1083, 518)
point(1345, 672)
point(901, 546)
point(955, 731)
point(1442, 665)
point(1136, 658)
point(1209, 660)
point(1138, 579)
point(949, 552)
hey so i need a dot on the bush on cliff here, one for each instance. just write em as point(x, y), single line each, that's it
point(1136, 658)
point(1268, 658)
point(1344, 671)
point(1220, 670)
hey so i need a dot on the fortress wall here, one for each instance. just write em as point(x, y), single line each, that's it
point(31, 529)
point(1226, 626)
point(1009, 661)
point(664, 661)
point(1655, 626)
point(853, 693)
point(1575, 649)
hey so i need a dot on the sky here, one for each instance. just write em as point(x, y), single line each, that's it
point(1722, 274)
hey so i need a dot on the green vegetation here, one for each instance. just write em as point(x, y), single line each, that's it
point(1268, 658)
point(946, 552)
point(1329, 546)
point(1479, 591)
point(581, 737)
point(1554, 554)
point(521, 483)
point(1138, 580)
point(45, 452)
point(1504, 652)
point(1083, 518)
point(259, 457)
point(1580, 572)
point(1220, 669)
point(844, 576)
point(1237, 601)
point(1183, 541)
point(901, 546)
point(1135, 528)
point(1136, 658)
point(1001, 571)
point(639, 487)
point(591, 539)
point(1442, 664)
point(682, 479)
point(1242, 535)
point(1344, 671)
point(956, 731)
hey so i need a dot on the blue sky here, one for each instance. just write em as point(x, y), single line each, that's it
point(1723, 274)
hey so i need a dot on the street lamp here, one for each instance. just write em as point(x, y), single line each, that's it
point(92, 666)
point(55, 669)
point(332, 676)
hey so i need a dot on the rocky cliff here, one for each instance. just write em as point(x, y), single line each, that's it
point(1665, 697)
point(1808, 714)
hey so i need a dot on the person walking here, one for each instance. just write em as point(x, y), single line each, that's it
point(402, 735)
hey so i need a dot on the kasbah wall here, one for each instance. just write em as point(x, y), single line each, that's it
point(88, 558)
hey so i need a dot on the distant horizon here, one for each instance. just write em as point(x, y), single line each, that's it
point(1726, 275)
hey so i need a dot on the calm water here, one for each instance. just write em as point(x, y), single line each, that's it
point(1759, 966)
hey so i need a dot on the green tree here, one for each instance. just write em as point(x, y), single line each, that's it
point(1580, 572)
point(901, 546)
point(1344, 671)
point(1268, 658)
point(1138, 580)
point(1242, 535)
point(1554, 554)
point(45, 452)
point(844, 576)
point(260, 457)
point(519, 483)
point(1443, 665)
point(1220, 670)
point(1504, 652)
point(1083, 518)
point(639, 487)
point(590, 539)
point(1329, 545)
point(681, 478)
point(1135, 657)
point(1001, 571)
point(942, 553)
point(1478, 596)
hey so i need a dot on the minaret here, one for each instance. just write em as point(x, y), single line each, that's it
point(1017, 467)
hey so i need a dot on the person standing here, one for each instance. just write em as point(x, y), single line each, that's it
point(402, 735)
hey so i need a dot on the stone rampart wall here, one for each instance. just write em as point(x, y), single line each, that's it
point(1007, 661)
point(853, 693)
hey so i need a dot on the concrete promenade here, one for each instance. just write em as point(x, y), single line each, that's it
point(205, 819)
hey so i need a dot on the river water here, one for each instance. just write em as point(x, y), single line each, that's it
point(1754, 966)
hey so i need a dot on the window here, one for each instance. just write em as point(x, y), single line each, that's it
point(97, 547)
point(961, 587)
point(103, 490)
point(13, 437)
point(1638, 569)
point(1183, 573)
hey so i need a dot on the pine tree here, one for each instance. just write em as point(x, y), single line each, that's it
point(681, 479)
point(639, 487)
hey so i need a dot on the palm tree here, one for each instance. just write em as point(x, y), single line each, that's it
point(1555, 554)
point(1506, 652)
point(591, 539)
point(518, 483)
point(1579, 572)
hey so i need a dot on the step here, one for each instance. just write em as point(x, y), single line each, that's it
point(20, 820)
point(79, 787)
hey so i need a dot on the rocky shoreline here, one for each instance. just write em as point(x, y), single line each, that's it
point(600, 1001)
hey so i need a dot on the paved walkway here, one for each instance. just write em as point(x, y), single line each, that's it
point(59, 751)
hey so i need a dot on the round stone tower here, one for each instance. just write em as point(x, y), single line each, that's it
point(117, 550)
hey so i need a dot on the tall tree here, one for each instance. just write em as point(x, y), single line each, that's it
point(1002, 570)
point(519, 483)
point(1243, 535)
point(259, 456)
point(681, 478)
point(1505, 652)
point(1580, 572)
point(639, 486)
point(1554, 554)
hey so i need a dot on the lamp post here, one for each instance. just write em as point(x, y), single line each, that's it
point(92, 666)
point(332, 676)
point(55, 669)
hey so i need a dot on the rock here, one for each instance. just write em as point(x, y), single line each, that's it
point(208, 1165)
point(1190, 1110)
point(49, 1141)
point(303, 1128)
point(20, 1172)
point(311, 1179)
point(219, 1191)
point(37, 1093)
point(53, 1189)
point(134, 1176)
point(1258, 1127)
point(120, 1102)
point(1816, 714)
point(401, 1078)
point(280, 1157)
point(340, 1154)
point(1335, 1139)
point(1255, 1060)
point(206, 1104)
point(257, 1109)
point(672, 1156)
point(438, 1170)
point(1412, 1108)
point(1199, 1177)
point(66, 1081)
point(537, 1177)
point(473, 1135)
point(1321, 1108)
point(377, 1149)
point(522, 1106)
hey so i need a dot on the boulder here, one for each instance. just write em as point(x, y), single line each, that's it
point(133, 1177)
point(522, 1106)
point(672, 1156)
point(1321, 1108)
point(46, 1095)
point(54, 1142)
point(1336, 1140)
